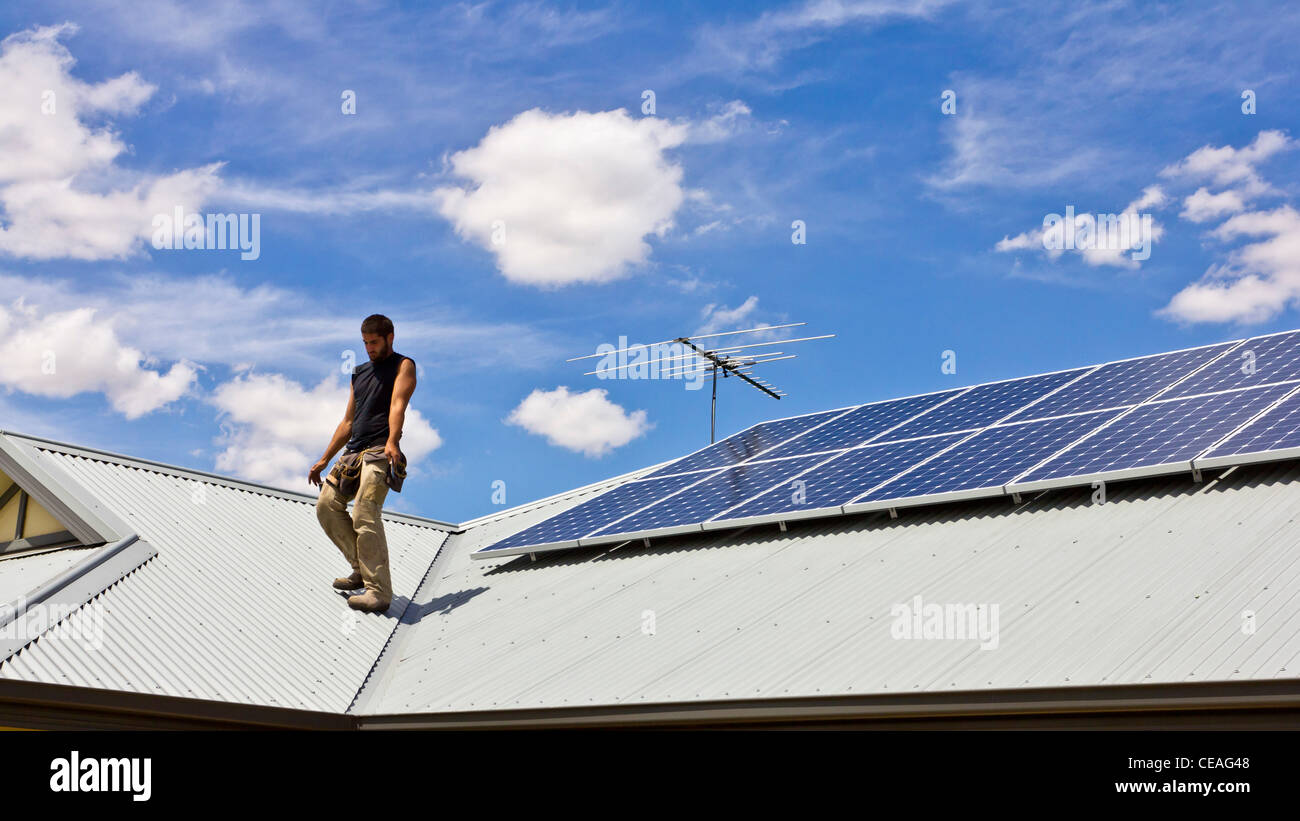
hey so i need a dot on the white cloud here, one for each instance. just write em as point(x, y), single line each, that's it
point(63, 353)
point(567, 198)
point(1027, 241)
point(762, 42)
point(1153, 196)
point(1260, 279)
point(1231, 168)
point(586, 423)
point(717, 317)
point(994, 149)
point(214, 320)
point(1202, 206)
point(326, 201)
point(734, 117)
point(1122, 254)
point(274, 429)
point(1122, 249)
point(1228, 166)
point(61, 194)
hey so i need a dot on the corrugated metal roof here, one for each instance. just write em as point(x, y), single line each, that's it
point(20, 575)
point(237, 605)
point(1149, 587)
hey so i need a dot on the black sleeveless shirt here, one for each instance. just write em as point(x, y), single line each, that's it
point(372, 391)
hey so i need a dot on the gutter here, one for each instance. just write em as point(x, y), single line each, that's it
point(1264, 704)
point(37, 705)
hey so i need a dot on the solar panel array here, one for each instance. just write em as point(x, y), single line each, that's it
point(1275, 430)
point(1206, 406)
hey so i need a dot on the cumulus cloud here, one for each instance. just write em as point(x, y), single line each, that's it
point(1234, 169)
point(586, 422)
point(1260, 278)
point(273, 429)
point(60, 354)
point(1252, 283)
point(567, 198)
point(1202, 206)
point(1153, 196)
point(1228, 166)
point(61, 192)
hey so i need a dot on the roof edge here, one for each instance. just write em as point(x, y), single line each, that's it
point(1129, 705)
point(1267, 704)
point(43, 705)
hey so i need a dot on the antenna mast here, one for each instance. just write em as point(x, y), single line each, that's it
point(732, 360)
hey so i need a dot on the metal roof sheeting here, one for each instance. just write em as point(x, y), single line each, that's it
point(237, 605)
point(20, 575)
point(1149, 587)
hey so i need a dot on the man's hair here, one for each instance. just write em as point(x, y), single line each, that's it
point(377, 324)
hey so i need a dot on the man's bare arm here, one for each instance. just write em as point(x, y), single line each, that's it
point(341, 436)
point(403, 387)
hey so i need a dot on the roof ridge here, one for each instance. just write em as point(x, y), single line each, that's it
point(185, 472)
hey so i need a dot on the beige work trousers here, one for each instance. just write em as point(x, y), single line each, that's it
point(360, 537)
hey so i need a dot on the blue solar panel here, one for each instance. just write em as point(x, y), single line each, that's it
point(729, 487)
point(1085, 422)
point(1258, 361)
point(847, 475)
point(983, 405)
point(990, 458)
point(1160, 433)
point(581, 520)
point(747, 444)
point(1122, 383)
point(1276, 430)
point(859, 425)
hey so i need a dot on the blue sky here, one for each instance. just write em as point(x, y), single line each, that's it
point(923, 226)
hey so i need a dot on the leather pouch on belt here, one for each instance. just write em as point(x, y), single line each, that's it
point(346, 475)
point(396, 473)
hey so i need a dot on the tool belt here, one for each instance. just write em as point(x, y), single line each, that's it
point(346, 475)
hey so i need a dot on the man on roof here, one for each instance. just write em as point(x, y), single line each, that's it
point(371, 464)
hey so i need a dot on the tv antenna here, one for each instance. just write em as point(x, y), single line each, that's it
point(696, 358)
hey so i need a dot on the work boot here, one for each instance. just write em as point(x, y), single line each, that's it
point(368, 602)
point(353, 582)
